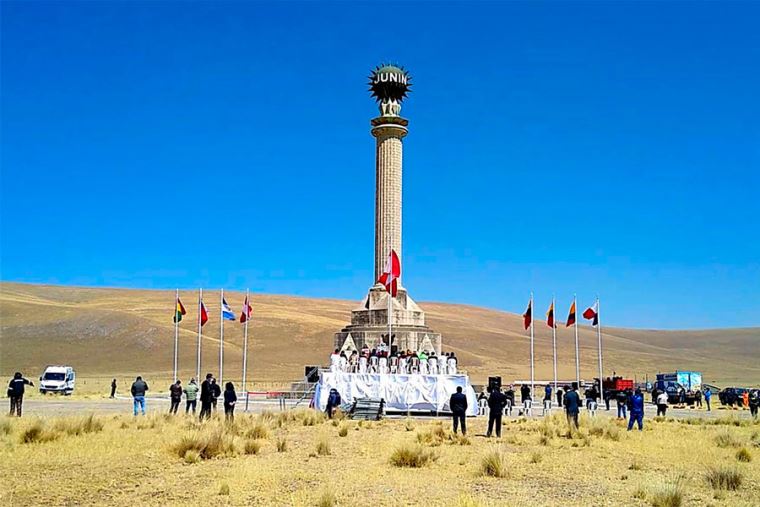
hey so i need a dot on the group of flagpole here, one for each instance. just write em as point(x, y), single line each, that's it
point(592, 313)
point(225, 313)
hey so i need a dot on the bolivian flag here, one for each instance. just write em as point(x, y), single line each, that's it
point(179, 311)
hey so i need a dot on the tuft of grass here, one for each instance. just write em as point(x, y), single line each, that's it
point(282, 445)
point(412, 456)
point(460, 439)
point(635, 465)
point(466, 501)
point(323, 447)
point(224, 489)
point(724, 477)
point(327, 499)
point(640, 492)
point(544, 440)
point(536, 457)
point(725, 438)
point(252, 447)
point(743, 455)
point(343, 431)
point(408, 424)
point(5, 426)
point(258, 432)
point(37, 433)
point(669, 494)
point(79, 426)
point(208, 445)
point(192, 457)
point(494, 464)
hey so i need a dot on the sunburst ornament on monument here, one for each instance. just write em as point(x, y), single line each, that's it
point(389, 84)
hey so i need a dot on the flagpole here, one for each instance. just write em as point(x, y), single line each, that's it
point(176, 332)
point(390, 307)
point(198, 356)
point(599, 340)
point(532, 323)
point(245, 338)
point(221, 335)
point(577, 354)
point(554, 340)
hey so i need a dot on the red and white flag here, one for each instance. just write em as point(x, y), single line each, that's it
point(592, 313)
point(245, 315)
point(528, 315)
point(203, 314)
point(391, 274)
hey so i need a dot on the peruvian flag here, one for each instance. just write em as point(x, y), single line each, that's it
point(528, 315)
point(391, 274)
point(204, 314)
point(247, 309)
point(592, 314)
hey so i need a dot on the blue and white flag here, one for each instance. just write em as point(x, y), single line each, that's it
point(227, 312)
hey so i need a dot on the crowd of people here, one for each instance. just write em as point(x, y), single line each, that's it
point(380, 360)
point(209, 392)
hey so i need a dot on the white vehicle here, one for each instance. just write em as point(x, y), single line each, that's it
point(57, 379)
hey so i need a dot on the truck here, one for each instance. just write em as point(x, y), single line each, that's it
point(57, 379)
point(612, 386)
point(681, 386)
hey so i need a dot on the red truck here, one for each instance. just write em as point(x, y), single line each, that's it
point(614, 385)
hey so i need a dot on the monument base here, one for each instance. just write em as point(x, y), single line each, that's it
point(369, 324)
point(402, 393)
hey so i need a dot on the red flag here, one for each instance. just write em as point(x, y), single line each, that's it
point(571, 316)
point(246, 313)
point(391, 274)
point(550, 316)
point(592, 313)
point(528, 315)
point(204, 314)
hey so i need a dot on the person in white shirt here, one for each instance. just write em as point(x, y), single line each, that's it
point(662, 403)
point(362, 364)
point(402, 365)
point(335, 361)
point(343, 362)
point(373, 363)
point(443, 364)
point(383, 365)
point(433, 365)
point(452, 364)
point(393, 364)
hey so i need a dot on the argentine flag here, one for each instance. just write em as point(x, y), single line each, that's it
point(227, 312)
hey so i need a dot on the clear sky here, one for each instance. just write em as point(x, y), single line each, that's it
point(609, 148)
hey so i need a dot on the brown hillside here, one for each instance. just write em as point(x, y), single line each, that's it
point(120, 331)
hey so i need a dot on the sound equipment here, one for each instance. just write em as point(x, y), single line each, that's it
point(494, 383)
point(311, 373)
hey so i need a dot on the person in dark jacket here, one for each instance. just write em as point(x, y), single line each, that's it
point(526, 399)
point(16, 392)
point(636, 406)
point(216, 393)
point(175, 395)
point(510, 396)
point(754, 402)
point(622, 401)
point(229, 401)
point(138, 390)
point(113, 388)
point(572, 405)
point(206, 395)
point(496, 403)
point(333, 401)
point(560, 394)
point(458, 405)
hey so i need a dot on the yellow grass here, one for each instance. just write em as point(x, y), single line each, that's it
point(161, 460)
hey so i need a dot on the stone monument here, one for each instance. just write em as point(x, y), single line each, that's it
point(389, 85)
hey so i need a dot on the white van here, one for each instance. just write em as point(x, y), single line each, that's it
point(57, 379)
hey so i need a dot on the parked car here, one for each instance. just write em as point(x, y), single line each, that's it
point(58, 379)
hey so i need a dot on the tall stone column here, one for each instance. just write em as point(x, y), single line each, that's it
point(389, 132)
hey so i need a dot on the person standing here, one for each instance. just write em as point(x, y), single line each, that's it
point(16, 392)
point(191, 396)
point(333, 401)
point(708, 395)
point(637, 410)
point(458, 406)
point(230, 398)
point(754, 402)
point(698, 398)
point(621, 398)
point(662, 403)
point(560, 394)
point(138, 390)
point(113, 389)
point(572, 405)
point(527, 401)
point(216, 393)
point(175, 395)
point(496, 403)
point(206, 396)
point(745, 399)
point(548, 399)
point(510, 397)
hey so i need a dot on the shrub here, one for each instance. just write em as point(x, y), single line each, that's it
point(252, 447)
point(433, 436)
point(327, 499)
point(494, 464)
point(412, 456)
point(725, 438)
point(460, 440)
point(224, 489)
point(669, 494)
point(192, 456)
point(343, 431)
point(37, 433)
point(79, 426)
point(282, 445)
point(536, 457)
point(408, 425)
point(724, 477)
point(257, 431)
point(323, 447)
point(207, 445)
point(743, 455)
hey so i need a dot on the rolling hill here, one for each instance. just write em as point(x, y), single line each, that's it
point(104, 332)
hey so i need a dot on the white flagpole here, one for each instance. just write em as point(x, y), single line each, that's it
point(200, 333)
point(176, 332)
point(221, 335)
point(245, 338)
point(554, 339)
point(577, 354)
point(532, 323)
point(599, 340)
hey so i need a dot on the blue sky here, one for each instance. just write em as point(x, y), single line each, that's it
point(599, 148)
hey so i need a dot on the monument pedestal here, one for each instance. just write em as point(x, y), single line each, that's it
point(369, 323)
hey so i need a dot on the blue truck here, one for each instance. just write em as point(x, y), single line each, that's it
point(681, 386)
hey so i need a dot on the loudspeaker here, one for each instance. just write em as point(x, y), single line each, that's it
point(311, 373)
point(494, 383)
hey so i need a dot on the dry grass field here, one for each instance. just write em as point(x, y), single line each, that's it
point(299, 458)
point(120, 332)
